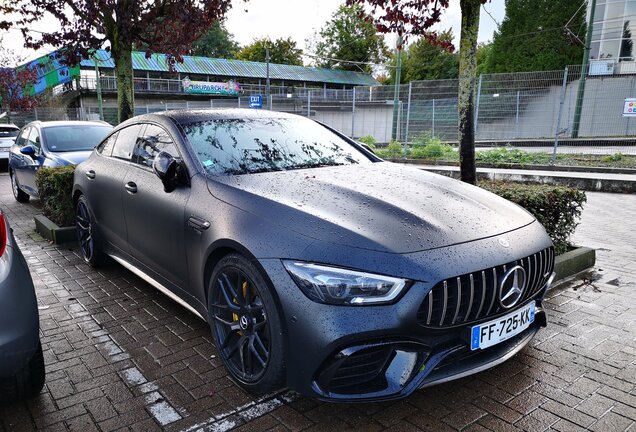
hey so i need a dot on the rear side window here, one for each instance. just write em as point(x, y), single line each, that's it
point(125, 143)
point(106, 147)
point(8, 132)
point(154, 140)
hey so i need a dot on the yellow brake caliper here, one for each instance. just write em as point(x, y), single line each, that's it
point(235, 317)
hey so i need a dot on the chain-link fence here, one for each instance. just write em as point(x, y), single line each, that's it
point(533, 110)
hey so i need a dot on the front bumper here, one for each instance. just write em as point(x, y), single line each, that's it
point(19, 321)
point(384, 352)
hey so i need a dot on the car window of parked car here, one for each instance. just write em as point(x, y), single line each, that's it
point(23, 138)
point(34, 139)
point(154, 140)
point(126, 139)
point(243, 146)
point(8, 132)
point(106, 146)
point(75, 137)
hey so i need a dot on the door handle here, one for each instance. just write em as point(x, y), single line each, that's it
point(198, 224)
point(90, 174)
point(131, 187)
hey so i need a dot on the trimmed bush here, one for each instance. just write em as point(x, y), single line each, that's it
point(55, 187)
point(395, 149)
point(558, 208)
point(426, 146)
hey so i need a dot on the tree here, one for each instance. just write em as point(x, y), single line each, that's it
point(349, 36)
point(415, 18)
point(86, 25)
point(423, 60)
point(218, 42)
point(281, 51)
point(15, 83)
point(532, 37)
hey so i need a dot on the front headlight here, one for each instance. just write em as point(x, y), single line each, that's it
point(332, 285)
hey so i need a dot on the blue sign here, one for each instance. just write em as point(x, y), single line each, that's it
point(256, 101)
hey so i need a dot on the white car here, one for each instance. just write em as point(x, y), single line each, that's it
point(8, 134)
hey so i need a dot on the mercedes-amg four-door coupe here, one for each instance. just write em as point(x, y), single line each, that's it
point(317, 265)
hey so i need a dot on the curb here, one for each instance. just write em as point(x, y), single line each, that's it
point(598, 183)
point(50, 231)
point(573, 262)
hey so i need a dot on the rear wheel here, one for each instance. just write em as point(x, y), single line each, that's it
point(87, 234)
point(18, 193)
point(245, 325)
point(27, 382)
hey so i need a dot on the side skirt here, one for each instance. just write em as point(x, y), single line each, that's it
point(157, 285)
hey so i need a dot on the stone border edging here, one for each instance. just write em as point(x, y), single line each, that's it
point(573, 262)
point(50, 231)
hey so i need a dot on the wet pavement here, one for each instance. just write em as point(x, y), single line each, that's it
point(120, 355)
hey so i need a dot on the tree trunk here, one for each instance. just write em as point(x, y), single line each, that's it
point(466, 97)
point(124, 74)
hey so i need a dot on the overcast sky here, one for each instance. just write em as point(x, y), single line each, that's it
point(284, 18)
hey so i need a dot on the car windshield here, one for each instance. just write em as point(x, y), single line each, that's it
point(252, 145)
point(8, 132)
point(74, 137)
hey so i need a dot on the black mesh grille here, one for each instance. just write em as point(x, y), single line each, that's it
point(474, 296)
point(362, 367)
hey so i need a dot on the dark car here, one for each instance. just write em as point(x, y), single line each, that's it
point(317, 265)
point(21, 361)
point(50, 144)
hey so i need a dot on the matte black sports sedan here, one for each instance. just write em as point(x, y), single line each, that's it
point(317, 265)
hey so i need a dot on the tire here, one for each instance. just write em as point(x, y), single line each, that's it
point(18, 193)
point(246, 329)
point(87, 234)
point(27, 382)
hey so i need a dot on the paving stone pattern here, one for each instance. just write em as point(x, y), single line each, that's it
point(121, 356)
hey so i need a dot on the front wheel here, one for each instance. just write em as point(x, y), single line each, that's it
point(18, 193)
point(87, 234)
point(246, 326)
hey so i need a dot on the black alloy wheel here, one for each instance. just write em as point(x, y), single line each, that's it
point(87, 234)
point(245, 325)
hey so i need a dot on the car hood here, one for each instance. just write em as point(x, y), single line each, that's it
point(70, 158)
point(380, 206)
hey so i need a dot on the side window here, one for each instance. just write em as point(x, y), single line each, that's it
point(125, 142)
point(34, 139)
point(106, 146)
point(24, 137)
point(154, 140)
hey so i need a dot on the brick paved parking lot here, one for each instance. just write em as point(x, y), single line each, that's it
point(120, 355)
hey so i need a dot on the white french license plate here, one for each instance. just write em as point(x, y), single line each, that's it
point(495, 331)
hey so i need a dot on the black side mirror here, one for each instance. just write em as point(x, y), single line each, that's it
point(165, 166)
point(28, 150)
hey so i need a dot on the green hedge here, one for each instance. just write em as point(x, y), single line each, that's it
point(55, 187)
point(558, 208)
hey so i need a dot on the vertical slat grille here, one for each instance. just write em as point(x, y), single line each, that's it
point(474, 296)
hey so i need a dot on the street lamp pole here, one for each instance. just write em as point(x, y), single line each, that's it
point(98, 88)
point(269, 96)
point(586, 57)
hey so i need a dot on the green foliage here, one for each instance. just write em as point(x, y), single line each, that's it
point(55, 187)
point(368, 140)
point(281, 51)
point(349, 35)
point(218, 42)
point(423, 60)
point(426, 146)
point(395, 149)
point(504, 155)
point(616, 157)
point(484, 51)
point(531, 36)
point(557, 208)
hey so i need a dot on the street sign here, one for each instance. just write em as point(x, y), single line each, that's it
point(256, 101)
point(629, 109)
